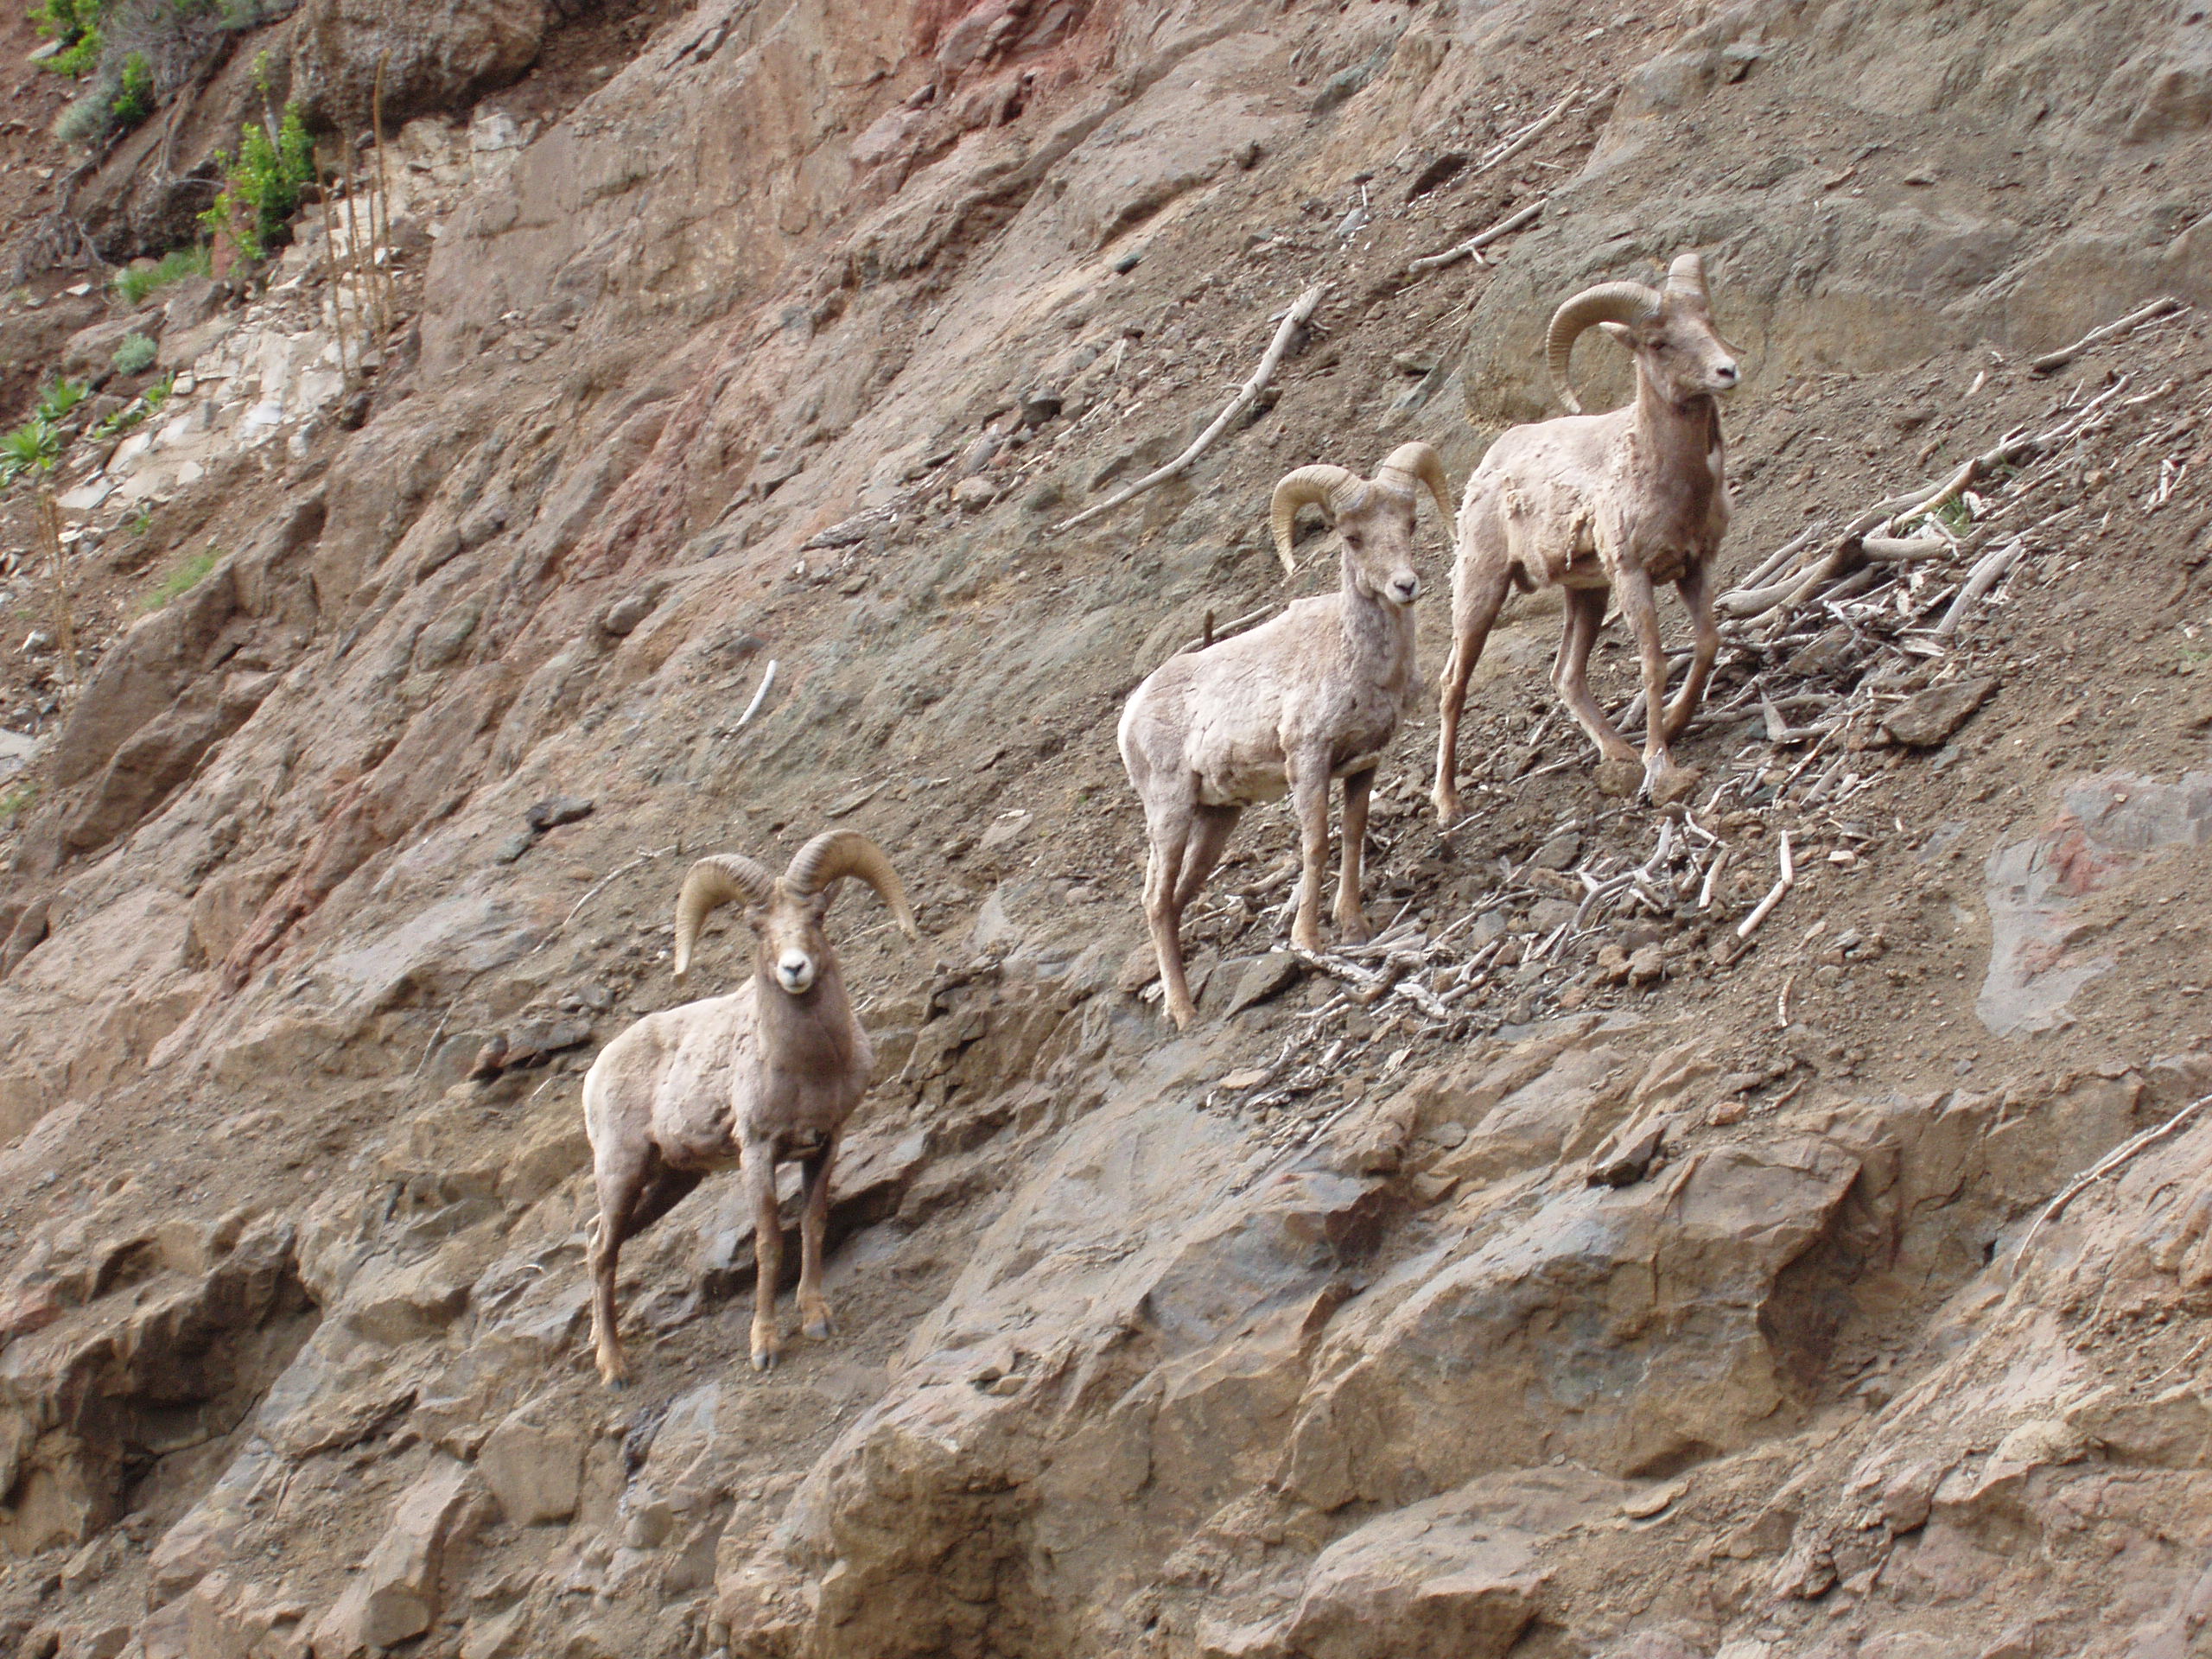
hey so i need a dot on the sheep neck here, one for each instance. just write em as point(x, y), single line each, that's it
point(1679, 444)
point(1371, 628)
point(1677, 458)
point(808, 1042)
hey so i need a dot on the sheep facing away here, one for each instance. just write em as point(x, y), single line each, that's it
point(1313, 695)
point(767, 1074)
point(1599, 504)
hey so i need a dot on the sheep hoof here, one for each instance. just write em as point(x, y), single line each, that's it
point(819, 1329)
point(1619, 779)
point(764, 1359)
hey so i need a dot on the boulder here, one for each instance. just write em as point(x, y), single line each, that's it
point(534, 1467)
point(432, 60)
point(1928, 718)
point(1456, 1576)
point(397, 1594)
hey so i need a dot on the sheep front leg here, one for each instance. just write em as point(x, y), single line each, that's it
point(1662, 779)
point(1309, 805)
point(1696, 590)
point(1351, 916)
point(814, 1312)
point(767, 1251)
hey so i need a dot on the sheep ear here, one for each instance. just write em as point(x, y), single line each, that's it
point(1619, 331)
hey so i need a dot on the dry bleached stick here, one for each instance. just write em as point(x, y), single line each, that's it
point(1774, 894)
point(2065, 354)
point(768, 679)
point(2104, 1166)
point(1984, 576)
point(1247, 395)
point(1481, 239)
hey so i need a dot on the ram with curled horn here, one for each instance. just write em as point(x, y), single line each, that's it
point(1314, 695)
point(1600, 504)
point(768, 1074)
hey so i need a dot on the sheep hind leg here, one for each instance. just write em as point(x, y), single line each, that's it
point(1472, 623)
point(1351, 916)
point(1168, 829)
point(767, 1253)
point(1209, 836)
point(813, 1221)
point(1619, 771)
point(625, 1179)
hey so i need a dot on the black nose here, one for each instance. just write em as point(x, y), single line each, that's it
point(1406, 588)
point(1726, 374)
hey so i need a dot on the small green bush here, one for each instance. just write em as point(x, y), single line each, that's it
point(135, 102)
point(75, 24)
point(85, 120)
point(183, 577)
point(133, 286)
point(262, 184)
point(135, 355)
point(59, 397)
point(33, 446)
point(17, 801)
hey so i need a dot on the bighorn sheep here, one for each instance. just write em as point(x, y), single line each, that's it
point(1315, 695)
point(765, 1074)
point(1598, 503)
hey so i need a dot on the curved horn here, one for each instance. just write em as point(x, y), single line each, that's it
point(837, 854)
point(1607, 303)
point(711, 883)
point(1686, 277)
point(1421, 461)
point(1322, 486)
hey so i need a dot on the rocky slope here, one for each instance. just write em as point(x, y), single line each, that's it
point(1571, 1272)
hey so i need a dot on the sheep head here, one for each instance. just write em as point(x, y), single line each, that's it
point(1670, 330)
point(791, 950)
point(1375, 517)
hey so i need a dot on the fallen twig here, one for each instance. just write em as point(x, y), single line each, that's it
point(599, 885)
point(768, 679)
point(1475, 243)
point(1528, 135)
point(2065, 354)
point(1248, 394)
point(1985, 576)
point(1774, 894)
point(2104, 1166)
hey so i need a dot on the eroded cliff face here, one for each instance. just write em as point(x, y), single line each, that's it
point(1617, 1284)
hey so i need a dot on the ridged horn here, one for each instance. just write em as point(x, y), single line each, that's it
point(709, 884)
point(1319, 486)
point(1607, 303)
point(1686, 277)
point(1421, 461)
point(836, 854)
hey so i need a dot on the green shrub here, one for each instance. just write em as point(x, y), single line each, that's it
point(86, 120)
point(182, 577)
point(34, 446)
point(175, 266)
point(135, 101)
point(262, 184)
point(59, 397)
point(75, 26)
point(135, 355)
point(17, 801)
